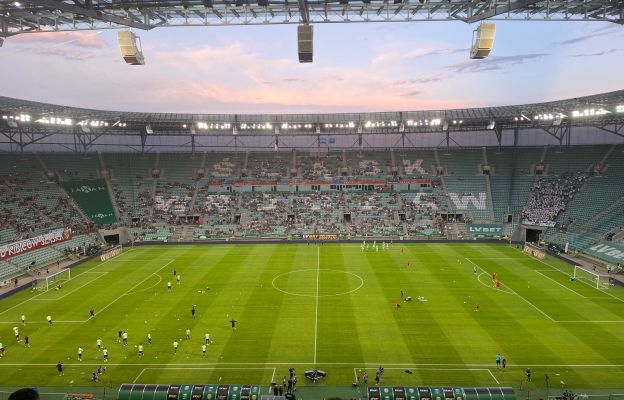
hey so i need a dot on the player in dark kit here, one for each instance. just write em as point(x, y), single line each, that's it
point(193, 312)
point(59, 368)
point(233, 322)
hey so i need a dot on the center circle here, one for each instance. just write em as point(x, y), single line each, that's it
point(331, 282)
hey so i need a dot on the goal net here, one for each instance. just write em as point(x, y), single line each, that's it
point(53, 280)
point(595, 279)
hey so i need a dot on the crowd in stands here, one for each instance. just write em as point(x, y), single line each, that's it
point(550, 196)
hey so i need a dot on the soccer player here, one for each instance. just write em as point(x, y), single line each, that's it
point(124, 336)
point(233, 322)
point(105, 354)
point(169, 286)
point(504, 363)
point(1, 349)
point(188, 334)
point(175, 346)
point(498, 361)
point(119, 333)
point(178, 277)
point(366, 379)
point(91, 313)
point(193, 312)
point(23, 319)
point(99, 344)
point(49, 319)
point(204, 350)
point(141, 350)
point(80, 350)
point(59, 368)
point(494, 277)
point(207, 336)
point(528, 374)
point(498, 284)
point(17, 335)
point(175, 272)
point(474, 269)
point(149, 339)
point(477, 306)
point(26, 341)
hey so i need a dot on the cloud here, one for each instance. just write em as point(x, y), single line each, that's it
point(78, 39)
point(412, 94)
point(293, 80)
point(600, 53)
point(603, 31)
point(65, 53)
point(397, 56)
point(494, 63)
point(426, 79)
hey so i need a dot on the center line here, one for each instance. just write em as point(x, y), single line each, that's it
point(318, 266)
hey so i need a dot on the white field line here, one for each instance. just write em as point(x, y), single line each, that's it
point(79, 287)
point(84, 272)
point(201, 368)
point(496, 380)
point(150, 287)
point(127, 292)
point(368, 365)
point(516, 293)
point(132, 288)
point(563, 286)
point(318, 269)
point(557, 269)
point(503, 289)
point(432, 369)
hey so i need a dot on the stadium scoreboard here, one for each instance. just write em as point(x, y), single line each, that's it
point(188, 392)
point(440, 393)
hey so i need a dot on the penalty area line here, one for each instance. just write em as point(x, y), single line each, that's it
point(216, 368)
point(516, 293)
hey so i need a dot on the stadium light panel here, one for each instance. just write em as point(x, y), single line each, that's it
point(589, 112)
point(5, 117)
point(17, 4)
point(184, 126)
point(619, 108)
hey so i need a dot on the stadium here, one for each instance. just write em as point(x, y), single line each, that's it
point(454, 253)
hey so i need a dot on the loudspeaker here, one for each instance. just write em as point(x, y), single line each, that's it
point(483, 41)
point(130, 51)
point(305, 43)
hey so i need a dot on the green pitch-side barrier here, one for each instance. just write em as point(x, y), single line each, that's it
point(440, 393)
point(188, 392)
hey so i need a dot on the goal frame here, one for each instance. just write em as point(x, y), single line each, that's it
point(49, 279)
point(597, 282)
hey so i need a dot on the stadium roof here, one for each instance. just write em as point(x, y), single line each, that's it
point(23, 122)
point(23, 16)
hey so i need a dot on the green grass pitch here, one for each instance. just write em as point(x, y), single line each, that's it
point(332, 307)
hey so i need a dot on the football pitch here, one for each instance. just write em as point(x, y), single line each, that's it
point(331, 307)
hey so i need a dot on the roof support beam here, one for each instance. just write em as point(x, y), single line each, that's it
point(304, 11)
point(492, 12)
point(617, 128)
point(99, 15)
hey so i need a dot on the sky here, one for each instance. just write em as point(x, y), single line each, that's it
point(356, 68)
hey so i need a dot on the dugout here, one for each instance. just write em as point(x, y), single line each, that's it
point(188, 392)
point(440, 393)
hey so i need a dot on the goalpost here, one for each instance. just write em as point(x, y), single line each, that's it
point(53, 280)
point(599, 281)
